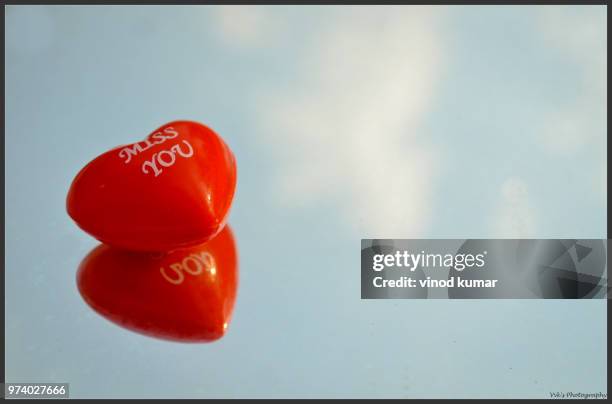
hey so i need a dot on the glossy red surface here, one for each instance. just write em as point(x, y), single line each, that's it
point(187, 295)
point(172, 190)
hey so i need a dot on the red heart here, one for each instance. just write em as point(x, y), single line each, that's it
point(187, 295)
point(172, 190)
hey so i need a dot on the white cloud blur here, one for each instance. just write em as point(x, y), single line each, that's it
point(245, 26)
point(350, 128)
point(579, 34)
point(515, 216)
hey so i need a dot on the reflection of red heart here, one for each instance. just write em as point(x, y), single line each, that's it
point(172, 190)
point(187, 295)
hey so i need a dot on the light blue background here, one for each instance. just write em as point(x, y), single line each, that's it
point(500, 111)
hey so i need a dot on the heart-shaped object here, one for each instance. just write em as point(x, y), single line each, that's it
point(172, 190)
point(186, 295)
